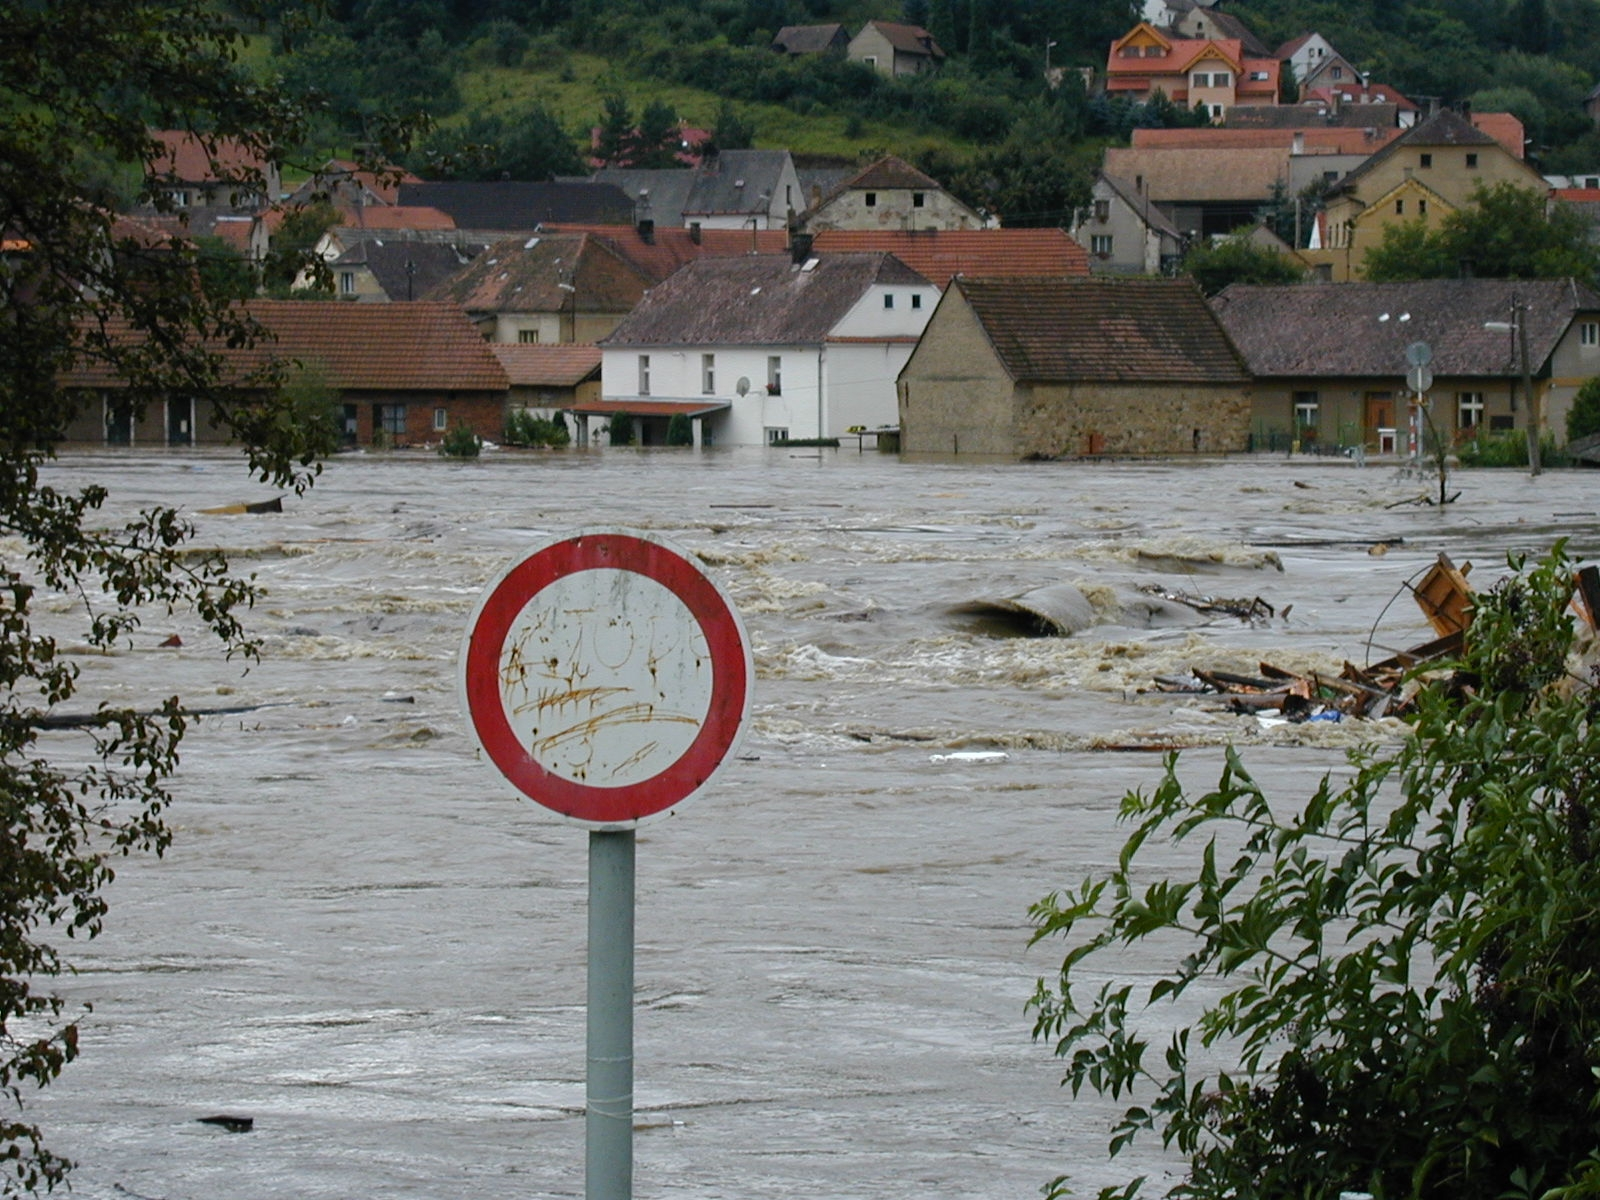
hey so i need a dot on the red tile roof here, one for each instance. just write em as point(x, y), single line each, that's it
point(939, 254)
point(908, 39)
point(1503, 128)
point(1315, 137)
point(186, 157)
point(419, 346)
point(670, 246)
point(551, 365)
point(395, 216)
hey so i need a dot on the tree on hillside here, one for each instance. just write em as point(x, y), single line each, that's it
point(1395, 975)
point(1506, 232)
point(83, 775)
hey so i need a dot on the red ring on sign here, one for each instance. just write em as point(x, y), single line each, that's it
point(729, 678)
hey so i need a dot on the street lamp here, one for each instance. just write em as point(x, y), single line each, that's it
point(1518, 325)
point(1047, 45)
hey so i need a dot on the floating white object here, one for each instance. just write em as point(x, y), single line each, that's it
point(971, 756)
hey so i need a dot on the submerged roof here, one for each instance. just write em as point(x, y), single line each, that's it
point(1101, 329)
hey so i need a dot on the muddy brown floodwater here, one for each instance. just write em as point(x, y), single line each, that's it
point(361, 939)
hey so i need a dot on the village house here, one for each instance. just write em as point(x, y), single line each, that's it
point(398, 374)
point(889, 194)
point(562, 287)
point(387, 270)
point(743, 189)
point(550, 381)
point(764, 349)
point(1330, 359)
point(1201, 191)
point(1125, 233)
point(831, 38)
point(196, 171)
point(1215, 72)
point(892, 49)
point(1048, 368)
point(1427, 172)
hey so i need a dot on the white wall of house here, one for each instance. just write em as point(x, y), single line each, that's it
point(894, 208)
point(889, 310)
point(1313, 52)
point(860, 378)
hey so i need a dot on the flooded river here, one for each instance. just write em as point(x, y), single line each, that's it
point(364, 941)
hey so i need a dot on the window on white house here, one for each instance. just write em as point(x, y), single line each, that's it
point(888, 299)
point(774, 375)
point(708, 374)
point(528, 337)
point(644, 374)
point(1100, 245)
point(1102, 210)
point(1216, 112)
point(918, 199)
point(1589, 333)
point(776, 435)
point(872, 200)
point(441, 420)
point(1469, 410)
point(347, 283)
point(916, 299)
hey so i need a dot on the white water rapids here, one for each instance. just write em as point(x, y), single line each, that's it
point(362, 940)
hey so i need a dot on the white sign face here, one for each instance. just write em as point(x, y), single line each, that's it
point(606, 676)
point(598, 699)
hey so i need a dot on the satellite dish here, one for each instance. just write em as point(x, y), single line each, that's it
point(743, 386)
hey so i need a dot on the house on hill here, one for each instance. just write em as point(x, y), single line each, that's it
point(762, 349)
point(892, 49)
point(1215, 72)
point(1330, 359)
point(889, 194)
point(831, 38)
point(1425, 173)
point(1025, 368)
point(743, 189)
point(400, 375)
point(198, 171)
point(1124, 233)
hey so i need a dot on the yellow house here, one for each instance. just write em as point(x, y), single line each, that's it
point(1427, 172)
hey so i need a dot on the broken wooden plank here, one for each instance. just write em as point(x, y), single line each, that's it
point(1445, 596)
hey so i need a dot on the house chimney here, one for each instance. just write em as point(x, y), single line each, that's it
point(800, 247)
point(1298, 145)
point(694, 232)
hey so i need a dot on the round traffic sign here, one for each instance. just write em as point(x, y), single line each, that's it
point(606, 676)
point(1419, 378)
point(1419, 354)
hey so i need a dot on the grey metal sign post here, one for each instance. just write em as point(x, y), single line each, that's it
point(608, 678)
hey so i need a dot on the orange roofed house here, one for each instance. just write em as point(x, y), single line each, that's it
point(1215, 72)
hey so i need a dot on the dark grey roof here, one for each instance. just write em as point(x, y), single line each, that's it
point(1229, 26)
point(1334, 329)
point(518, 206)
point(811, 39)
point(1052, 330)
point(735, 181)
point(408, 270)
point(1147, 212)
point(1311, 116)
point(666, 190)
point(761, 299)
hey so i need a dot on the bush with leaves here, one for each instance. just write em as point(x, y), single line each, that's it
point(1403, 963)
point(460, 442)
point(1583, 418)
point(525, 428)
point(1215, 265)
